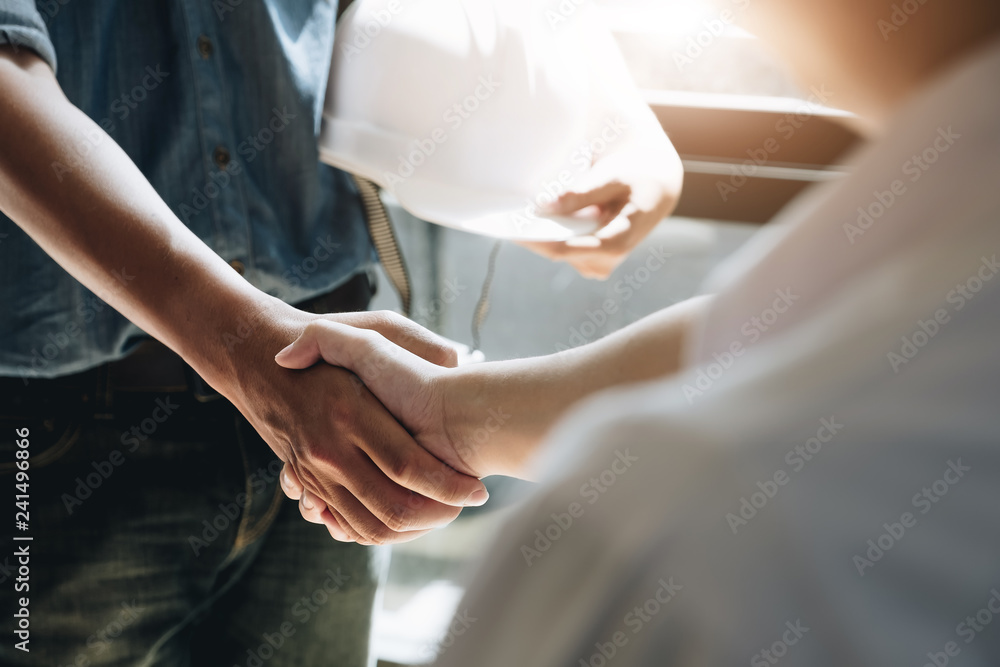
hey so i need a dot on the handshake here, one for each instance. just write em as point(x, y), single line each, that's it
point(384, 441)
point(380, 450)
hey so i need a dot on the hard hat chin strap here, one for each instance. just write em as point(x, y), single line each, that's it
point(384, 240)
point(380, 228)
point(387, 246)
point(483, 305)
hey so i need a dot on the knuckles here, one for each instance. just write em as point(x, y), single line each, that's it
point(384, 330)
point(318, 327)
point(397, 519)
point(379, 534)
point(449, 356)
point(319, 455)
point(386, 319)
point(401, 470)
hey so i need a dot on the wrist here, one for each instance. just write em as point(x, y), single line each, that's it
point(476, 421)
point(486, 420)
point(240, 343)
point(461, 390)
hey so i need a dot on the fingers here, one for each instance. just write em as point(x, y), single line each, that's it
point(290, 483)
point(357, 520)
point(598, 255)
point(372, 483)
point(314, 510)
point(402, 381)
point(596, 259)
point(310, 507)
point(412, 467)
point(323, 340)
point(608, 198)
point(353, 521)
point(405, 333)
point(596, 268)
point(338, 527)
point(378, 464)
point(595, 255)
point(386, 485)
point(393, 327)
point(364, 352)
point(305, 350)
point(349, 519)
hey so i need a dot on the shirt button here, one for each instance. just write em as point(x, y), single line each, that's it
point(238, 266)
point(205, 47)
point(221, 157)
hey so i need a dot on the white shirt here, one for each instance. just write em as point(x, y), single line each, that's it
point(830, 495)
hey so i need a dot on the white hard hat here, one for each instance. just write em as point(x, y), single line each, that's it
point(470, 112)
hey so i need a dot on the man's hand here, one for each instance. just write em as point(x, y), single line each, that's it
point(628, 192)
point(350, 454)
point(407, 384)
point(404, 383)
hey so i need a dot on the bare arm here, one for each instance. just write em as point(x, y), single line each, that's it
point(79, 196)
point(536, 392)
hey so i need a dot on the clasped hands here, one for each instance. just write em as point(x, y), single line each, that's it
point(414, 480)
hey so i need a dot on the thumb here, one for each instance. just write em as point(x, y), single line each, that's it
point(608, 198)
point(380, 364)
point(303, 352)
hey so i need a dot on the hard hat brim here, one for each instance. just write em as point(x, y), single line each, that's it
point(504, 215)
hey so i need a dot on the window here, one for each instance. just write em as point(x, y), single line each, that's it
point(750, 138)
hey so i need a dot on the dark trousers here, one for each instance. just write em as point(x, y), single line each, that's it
point(160, 537)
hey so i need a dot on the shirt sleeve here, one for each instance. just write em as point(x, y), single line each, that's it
point(22, 26)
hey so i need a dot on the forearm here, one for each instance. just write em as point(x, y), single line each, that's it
point(69, 186)
point(529, 395)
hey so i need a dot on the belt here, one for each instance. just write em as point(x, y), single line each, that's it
point(153, 367)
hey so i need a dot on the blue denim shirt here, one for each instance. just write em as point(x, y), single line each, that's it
point(219, 104)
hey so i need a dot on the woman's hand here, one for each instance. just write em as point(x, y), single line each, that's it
point(628, 192)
